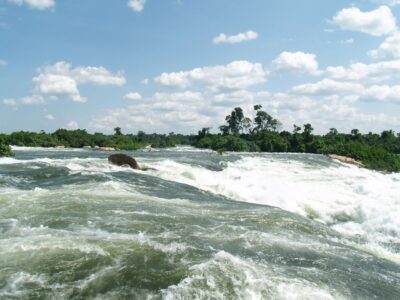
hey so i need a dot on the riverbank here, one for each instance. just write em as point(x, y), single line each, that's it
point(347, 160)
point(372, 151)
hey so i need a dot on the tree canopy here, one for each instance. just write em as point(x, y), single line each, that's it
point(238, 133)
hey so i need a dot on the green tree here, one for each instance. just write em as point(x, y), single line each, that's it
point(332, 132)
point(204, 132)
point(355, 133)
point(307, 133)
point(5, 149)
point(235, 120)
point(296, 129)
point(264, 121)
point(117, 131)
point(224, 129)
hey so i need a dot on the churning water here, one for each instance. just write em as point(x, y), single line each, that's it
point(196, 226)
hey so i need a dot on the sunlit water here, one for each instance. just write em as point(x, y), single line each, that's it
point(196, 226)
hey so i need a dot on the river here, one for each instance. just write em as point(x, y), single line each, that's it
point(197, 225)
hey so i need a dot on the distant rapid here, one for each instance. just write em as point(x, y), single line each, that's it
point(196, 225)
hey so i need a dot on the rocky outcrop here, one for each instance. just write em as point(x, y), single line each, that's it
point(347, 160)
point(120, 159)
point(104, 148)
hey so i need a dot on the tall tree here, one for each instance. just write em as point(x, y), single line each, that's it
point(307, 133)
point(204, 132)
point(332, 132)
point(117, 131)
point(296, 129)
point(264, 121)
point(235, 121)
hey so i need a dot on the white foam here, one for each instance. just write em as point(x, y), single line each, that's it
point(23, 148)
point(48, 242)
point(228, 276)
point(352, 200)
point(183, 148)
point(140, 238)
point(85, 166)
point(15, 284)
point(8, 161)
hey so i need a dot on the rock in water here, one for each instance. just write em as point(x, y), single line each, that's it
point(347, 160)
point(123, 159)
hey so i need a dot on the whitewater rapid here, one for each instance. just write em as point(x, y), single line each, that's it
point(251, 226)
point(354, 201)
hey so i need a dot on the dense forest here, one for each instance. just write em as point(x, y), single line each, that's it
point(239, 133)
point(80, 138)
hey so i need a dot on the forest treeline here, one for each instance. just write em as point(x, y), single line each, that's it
point(239, 133)
point(261, 134)
point(80, 138)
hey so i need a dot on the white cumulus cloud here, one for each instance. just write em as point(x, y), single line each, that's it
point(389, 49)
point(35, 4)
point(145, 81)
point(377, 22)
point(237, 38)
point(235, 75)
point(325, 110)
point(72, 125)
point(382, 93)
point(239, 97)
point(379, 71)
point(388, 2)
point(133, 96)
point(33, 100)
point(327, 87)
point(137, 5)
point(10, 102)
point(50, 117)
point(162, 111)
point(54, 84)
point(29, 100)
point(60, 79)
point(297, 62)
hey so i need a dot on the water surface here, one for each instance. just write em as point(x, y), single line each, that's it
point(197, 226)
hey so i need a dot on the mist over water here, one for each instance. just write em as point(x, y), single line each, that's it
point(196, 226)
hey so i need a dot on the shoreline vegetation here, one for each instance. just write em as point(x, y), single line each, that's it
point(379, 152)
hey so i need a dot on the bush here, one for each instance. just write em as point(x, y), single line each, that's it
point(234, 143)
point(5, 150)
point(376, 158)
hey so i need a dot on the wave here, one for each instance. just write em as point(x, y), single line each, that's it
point(24, 148)
point(356, 202)
point(361, 204)
point(183, 148)
point(246, 279)
point(16, 282)
point(74, 165)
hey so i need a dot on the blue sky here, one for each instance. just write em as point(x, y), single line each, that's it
point(179, 65)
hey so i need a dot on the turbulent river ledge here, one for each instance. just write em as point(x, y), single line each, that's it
point(196, 226)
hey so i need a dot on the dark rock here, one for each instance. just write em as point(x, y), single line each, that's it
point(123, 159)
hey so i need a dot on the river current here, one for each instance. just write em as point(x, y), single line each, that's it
point(196, 225)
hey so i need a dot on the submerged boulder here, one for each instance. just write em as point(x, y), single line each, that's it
point(120, 159)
